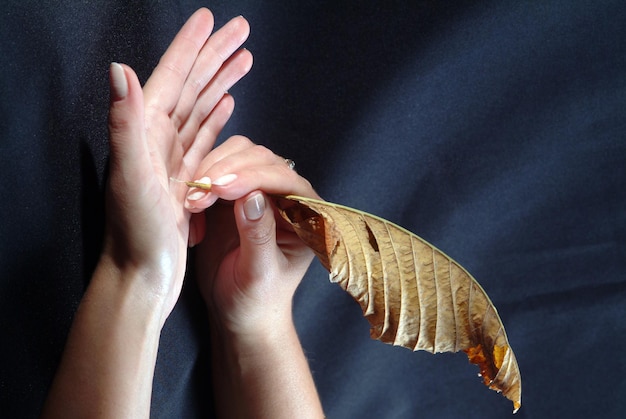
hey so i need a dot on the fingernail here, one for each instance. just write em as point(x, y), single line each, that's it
point(119, 84)
point(194, 196)
point(254, 207)
point(203, 183)
point(225, 180)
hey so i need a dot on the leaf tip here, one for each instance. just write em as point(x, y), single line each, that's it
point(490, 365)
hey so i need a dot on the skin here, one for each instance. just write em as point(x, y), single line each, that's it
point(248, 272)
point(167, 130)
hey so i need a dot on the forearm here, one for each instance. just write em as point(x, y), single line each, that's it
point(108, 363)
point(263, 376)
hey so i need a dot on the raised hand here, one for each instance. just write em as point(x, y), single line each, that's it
point(156, 133)
point(164, 131)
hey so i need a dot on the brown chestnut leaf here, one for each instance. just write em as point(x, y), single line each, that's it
point(412, 294)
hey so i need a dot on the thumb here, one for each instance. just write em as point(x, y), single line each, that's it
point(257, 237)
point(126, 123)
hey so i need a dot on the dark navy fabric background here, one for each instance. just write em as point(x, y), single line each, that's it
point(496, 130)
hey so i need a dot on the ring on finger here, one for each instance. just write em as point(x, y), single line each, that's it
point(290, 163)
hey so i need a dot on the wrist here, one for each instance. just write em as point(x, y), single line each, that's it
point(263, 373)
point(112, 346)
point(132, 289)
point(250, 340)
point(256, 324)
point(155, 268)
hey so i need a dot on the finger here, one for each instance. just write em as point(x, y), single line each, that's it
point(236, 153)
point(164, 86)
point(238, 159)
point(275, 178)
point(205, 199)
point(129, 149)
point(257, 239)
point(197, 227)
point(209, 130)
point(232, 145)
point(230, 73)
point(214, 70)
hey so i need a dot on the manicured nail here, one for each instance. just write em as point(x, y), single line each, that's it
point(194, 196)
point(202, 183)
point(225, 180)
point(119, 84)
point(254, 207)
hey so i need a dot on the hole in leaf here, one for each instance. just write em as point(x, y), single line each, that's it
point(371, 238)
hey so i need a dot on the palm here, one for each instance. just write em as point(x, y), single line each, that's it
point(170, 127)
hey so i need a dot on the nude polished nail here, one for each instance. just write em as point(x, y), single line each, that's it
point(254, 207)
point(119, 84)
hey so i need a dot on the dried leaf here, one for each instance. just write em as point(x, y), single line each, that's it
point(412, 294)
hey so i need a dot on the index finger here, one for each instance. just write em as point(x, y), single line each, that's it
point(166, 82)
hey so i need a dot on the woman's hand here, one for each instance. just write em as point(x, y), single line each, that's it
point(250, 260)
point(249, 265)
point(158, 133)
point(161, 132)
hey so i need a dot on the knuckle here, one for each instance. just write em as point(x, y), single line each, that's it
point(307, 183)
point(262, 234)
point(240, 141)
point(262, 153)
